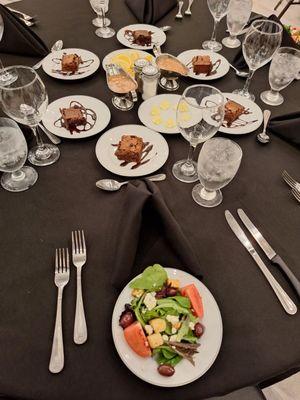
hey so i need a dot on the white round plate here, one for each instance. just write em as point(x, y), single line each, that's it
point(105, 151)
point(185, 372)
point(49, 66)
point(53, 114)
point(253, 120)
point(108, 59)
point(158, 37)
point(146, 108)
point(186, 58)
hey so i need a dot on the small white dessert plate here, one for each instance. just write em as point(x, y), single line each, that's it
point(158, 36)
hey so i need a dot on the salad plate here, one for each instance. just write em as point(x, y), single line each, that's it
point(154, 355)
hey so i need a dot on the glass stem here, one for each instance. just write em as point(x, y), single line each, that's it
point(38, 137)
point(18, 175)
point(189, 159)
point(232, 37)
point(214, 34)
point(103, 19)
point(248, 81)
point(275, 93)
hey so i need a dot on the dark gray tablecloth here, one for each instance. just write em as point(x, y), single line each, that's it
point(260, 340)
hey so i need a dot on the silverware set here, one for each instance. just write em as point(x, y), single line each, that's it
point(286, 302)
point(292, 184)
point(27, 19)
point(187, 11)
point(61, 279)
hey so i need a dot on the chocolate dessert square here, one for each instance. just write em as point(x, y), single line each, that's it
point(130, 148)
point(142, 37)
point(232, 112)
point(70, 62)
point(202, 65)
point(72, 117)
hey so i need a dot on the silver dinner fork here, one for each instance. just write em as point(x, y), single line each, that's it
point(79, 259)
point(296, 194)
point(61, 278)
point(290, 181)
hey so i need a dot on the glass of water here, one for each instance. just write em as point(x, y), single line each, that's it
point(13, 154)
point(284, 68)
point(200, 114)
point(25, 100)
point(218, 162)
point(260, 43)
point(101, 7)
point(218, 9)
point(239, 12)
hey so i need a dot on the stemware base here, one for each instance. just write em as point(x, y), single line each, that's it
point(205, 198)
point(273, 99)
point(105, 33)
point(231, 43)
point(185, 172)
point(169, 84)
point(99, 23)
point(248, 95)
point(122, 103)
point(212, 45)
point(19, 181)
point(46, 154)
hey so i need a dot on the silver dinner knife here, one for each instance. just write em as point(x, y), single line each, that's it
point(268, 250)
point(282, 296)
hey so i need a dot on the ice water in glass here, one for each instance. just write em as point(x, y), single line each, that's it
point(239, 12)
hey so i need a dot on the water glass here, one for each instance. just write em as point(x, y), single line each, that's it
point(218, 163)
point(13, 154)
point(26, 100)
point(218, 9)
point(101, 7)
point(260, 43)
point(200, 114)
point(239, 12)
point(98, 20)
point(284, 68)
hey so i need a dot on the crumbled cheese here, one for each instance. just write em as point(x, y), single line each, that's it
point(173, 319)
point(174, 330)
point(192, 326)
point(148, 329)
point(150, 301)
point(165, 338)
point(173, 338)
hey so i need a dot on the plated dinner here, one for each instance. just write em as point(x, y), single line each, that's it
point(76, 117)
point(167, 327)
point(204, 64)
point(132, 150)
point(141, 36)
point(71, 64)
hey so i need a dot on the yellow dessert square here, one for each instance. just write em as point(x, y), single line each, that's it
point(183, 107)
point(164, 105)
point(157, 120)
point(155, 110)
point(170, 123)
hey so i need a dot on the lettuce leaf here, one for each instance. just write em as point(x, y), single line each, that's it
point(153, 279)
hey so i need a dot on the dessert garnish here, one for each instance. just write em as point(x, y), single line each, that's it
point(203, 65)
point(132, 148)
point(76, 118)
point(139, 37)
point(71, 64)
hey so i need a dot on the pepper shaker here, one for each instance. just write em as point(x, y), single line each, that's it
point(139, 64)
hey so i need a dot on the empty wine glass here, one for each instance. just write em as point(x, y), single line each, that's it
point(218, 162)
point(218, 9)
point(284, 68)
point(13, 154)
point(200, 113)
point(25, 100)
point(259, 46)
point(6, 78)
point(239, 12)
point(100, 7)
point(98, 20)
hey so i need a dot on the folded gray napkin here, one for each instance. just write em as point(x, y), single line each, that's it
point(150, 11)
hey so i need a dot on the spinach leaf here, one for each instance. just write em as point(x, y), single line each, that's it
point(137, 310)
point(182, 301)
point(168, 353)
point(174, 361)
point(183, 330)
point(190, 339)
point(152, 278)
point(148, 315)
point(166, 303)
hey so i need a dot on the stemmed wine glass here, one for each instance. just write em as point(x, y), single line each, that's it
point(218, 9)
point(239, 12)
point(100, 7)
point(13, 154)
point(98, 20)
point(284, 68)
point(26, 100)
point(259, 46)
point(200, 113)
point(218, 162)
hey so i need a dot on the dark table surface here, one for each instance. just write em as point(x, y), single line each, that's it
point(260, 340)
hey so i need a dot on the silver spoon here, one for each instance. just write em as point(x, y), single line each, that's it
point(56, 47)
point(263, 137)
point(54, 139)
point(240, 73)
point(112, 185)
point(165, 28)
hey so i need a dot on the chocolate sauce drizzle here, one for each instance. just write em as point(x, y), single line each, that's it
point(147, 147)
point(89, 115)
point(128, 34)
point(215, 67)
point(82, 65)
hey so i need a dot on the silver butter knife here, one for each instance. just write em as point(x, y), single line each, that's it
point(268, 250)
point(282, 296)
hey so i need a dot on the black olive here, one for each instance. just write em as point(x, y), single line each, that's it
point(166, 370)
point(199, 329)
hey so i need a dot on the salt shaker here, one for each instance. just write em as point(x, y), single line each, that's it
point(150, 75)
point(139, 64)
